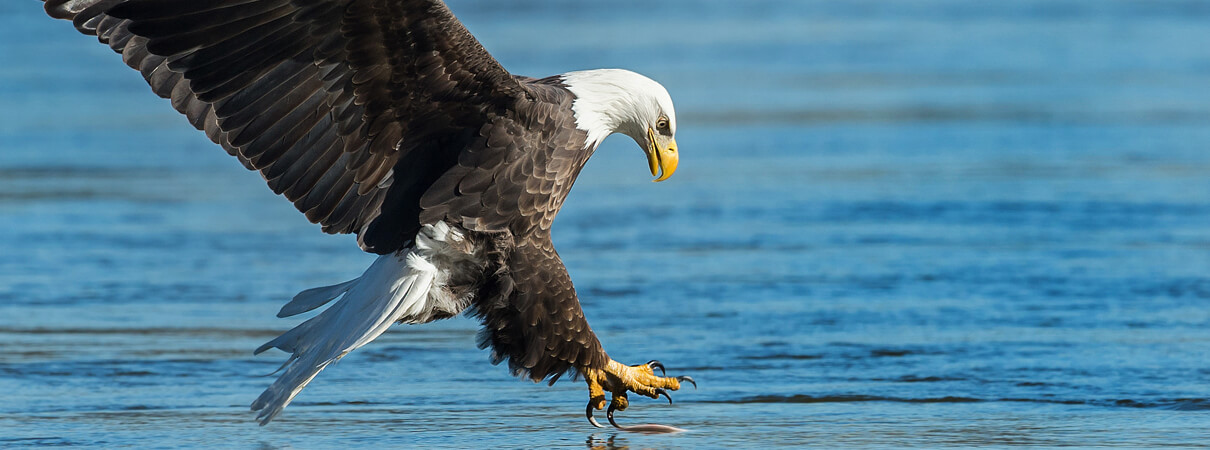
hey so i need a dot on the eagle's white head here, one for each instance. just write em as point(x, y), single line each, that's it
point(612, 101)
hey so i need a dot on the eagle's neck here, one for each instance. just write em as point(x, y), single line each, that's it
point(611, 101)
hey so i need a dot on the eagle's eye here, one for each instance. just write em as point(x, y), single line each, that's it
point(662, 124)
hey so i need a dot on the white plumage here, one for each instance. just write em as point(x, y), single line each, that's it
point(412, 286)
point(617, 101)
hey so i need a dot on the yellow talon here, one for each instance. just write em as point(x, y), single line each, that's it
point(618, 379)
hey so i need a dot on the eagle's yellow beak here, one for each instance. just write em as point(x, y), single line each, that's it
point(661, 155)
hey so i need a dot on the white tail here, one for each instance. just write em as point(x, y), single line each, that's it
point(407, 286)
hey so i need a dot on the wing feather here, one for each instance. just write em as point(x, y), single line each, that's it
point(318, 95)
point(302, 178)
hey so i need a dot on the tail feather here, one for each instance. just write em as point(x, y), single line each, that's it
point(369, 305)
point(397, 287)
point(313, 298)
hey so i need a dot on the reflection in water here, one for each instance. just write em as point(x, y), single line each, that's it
point(596, 442)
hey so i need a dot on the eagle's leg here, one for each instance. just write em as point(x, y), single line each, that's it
point(618, 379)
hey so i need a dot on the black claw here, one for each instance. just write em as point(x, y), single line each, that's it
point(688, 378)
point(609, 415)
point(593, 421)
point(656, 364)
point(659, 392)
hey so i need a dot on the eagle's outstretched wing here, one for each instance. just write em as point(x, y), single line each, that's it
point(349, 108)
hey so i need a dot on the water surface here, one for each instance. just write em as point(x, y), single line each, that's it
point(927, 223)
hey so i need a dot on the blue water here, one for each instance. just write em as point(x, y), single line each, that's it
point(927, 223)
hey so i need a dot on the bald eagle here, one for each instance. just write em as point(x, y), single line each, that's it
point(387, 119)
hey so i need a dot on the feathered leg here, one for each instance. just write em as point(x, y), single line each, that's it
point(532, 318)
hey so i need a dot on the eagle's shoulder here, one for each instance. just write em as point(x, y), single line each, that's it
point(518, 168)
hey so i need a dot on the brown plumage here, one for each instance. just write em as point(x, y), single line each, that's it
point(378, 117)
